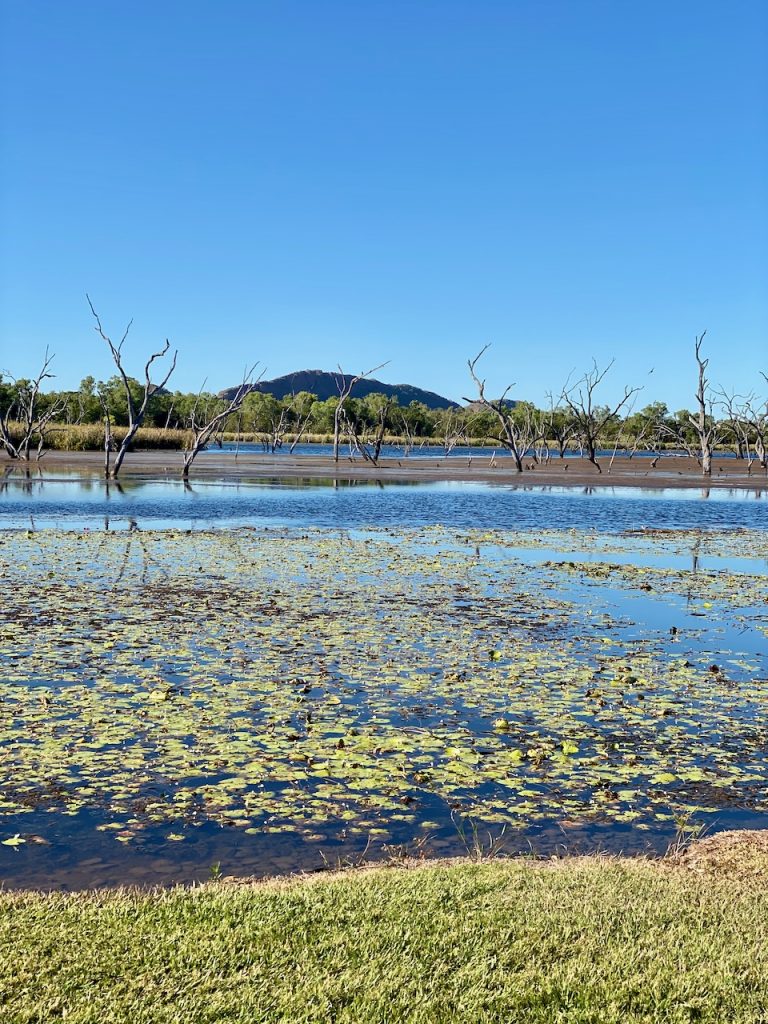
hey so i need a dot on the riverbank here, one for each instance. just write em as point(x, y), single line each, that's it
point(639, 471)
point(584, 939)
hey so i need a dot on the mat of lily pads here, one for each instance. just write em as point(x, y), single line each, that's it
point(249, 701)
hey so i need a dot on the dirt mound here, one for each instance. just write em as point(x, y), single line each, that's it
point(737, 854)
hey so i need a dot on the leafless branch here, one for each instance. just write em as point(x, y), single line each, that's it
point(590, 420)
point(206, 427)
point(703, 422)
point(137, 408)
point(344, 385)
point(25, 413)
point(514, 434)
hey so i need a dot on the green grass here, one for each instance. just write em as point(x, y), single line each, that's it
point(580, 941)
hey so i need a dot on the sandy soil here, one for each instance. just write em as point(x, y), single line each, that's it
point(625, 472)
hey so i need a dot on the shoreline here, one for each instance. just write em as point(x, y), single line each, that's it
point(674, 472)
point(733, 853)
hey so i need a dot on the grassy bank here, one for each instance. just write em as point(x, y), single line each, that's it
point(575, 941)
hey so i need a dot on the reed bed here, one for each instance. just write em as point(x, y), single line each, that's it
point(88, 437)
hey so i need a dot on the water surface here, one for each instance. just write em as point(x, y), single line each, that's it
point(78, 502)
point(273, 676)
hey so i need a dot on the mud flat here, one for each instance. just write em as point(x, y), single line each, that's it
point(669, 472)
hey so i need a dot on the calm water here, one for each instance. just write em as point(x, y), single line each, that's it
point(89, 502)
point(434, 451)
point(77, 855)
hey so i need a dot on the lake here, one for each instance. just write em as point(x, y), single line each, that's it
point(257, 678)
point(74, 502)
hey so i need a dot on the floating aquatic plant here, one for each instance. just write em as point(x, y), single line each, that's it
point(314, 683)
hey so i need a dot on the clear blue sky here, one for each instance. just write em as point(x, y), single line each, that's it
point(318, 182)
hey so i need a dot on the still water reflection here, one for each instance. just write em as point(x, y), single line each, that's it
point(602, 620)
point(75, 503)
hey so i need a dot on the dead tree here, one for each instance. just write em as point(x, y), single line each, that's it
point(513, 435)
point(540, 432)
point(758, 419)
point(206, 426)
point(108, 440)
point(703, 421)
point(410, 437)
point(137, 408)
point(735, 429)
point(589, 418)
point(344, 385)
point(559, 426)
point(748, 422)
point(531, 426)
point(24, 410)
point(272, 439)
point(381, 426)
point(454, 432)
point(303, 413)
point(620, 441)
point(370, 449)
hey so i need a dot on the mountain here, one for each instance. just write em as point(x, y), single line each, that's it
point(323, 384)
point(510, 403)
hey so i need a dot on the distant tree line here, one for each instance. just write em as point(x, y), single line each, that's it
point(575, 418)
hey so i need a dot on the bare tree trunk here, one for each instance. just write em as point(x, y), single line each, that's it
point(300, 433)
point(592, 456)
point(408, 435)
point(454, 434)
point(369, 455)
point(344, 385)
point(25, 406)
point(239, 432)
point(700, 422)
point(590, 420)
point(379, 439)
point(136, 409)
point(107, 432)
point(277, 430)
point(748, 421)
point(510, 435)
point(204, 429)
point(336, 430)
point(613, 453)
point(107, 444)
point(703, 423)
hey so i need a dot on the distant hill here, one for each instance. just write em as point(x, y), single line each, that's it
point(323, 384)
point(511, 403)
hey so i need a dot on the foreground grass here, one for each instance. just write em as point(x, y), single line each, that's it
point(592, 940)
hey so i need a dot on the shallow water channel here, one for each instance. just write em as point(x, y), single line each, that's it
point(249, 679)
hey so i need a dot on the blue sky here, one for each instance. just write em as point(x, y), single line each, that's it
point(319, 182)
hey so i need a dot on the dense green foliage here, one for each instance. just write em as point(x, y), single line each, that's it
point(604, 942)
point(273, 420)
